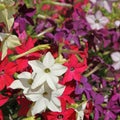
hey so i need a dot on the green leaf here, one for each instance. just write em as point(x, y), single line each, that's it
point(6, 16)
point(29, 118)
point(8, 41)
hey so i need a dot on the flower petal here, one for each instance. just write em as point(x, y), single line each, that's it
point(25, 75)
point(48, 60)
point(53, 107)
point(38, 80)
point(115, 56)
point(38, 107)
point(58, 69)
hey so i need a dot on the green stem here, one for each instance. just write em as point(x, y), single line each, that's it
point(45, 31)
point(37, 48)
point(57, 3)
point(93, 70)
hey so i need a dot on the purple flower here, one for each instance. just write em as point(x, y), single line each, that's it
point(113, 107)
point(83, 87)
point(98, 99)
point(22, 19)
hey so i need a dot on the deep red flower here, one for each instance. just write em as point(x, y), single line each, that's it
point(3, 100)
point(88, 110)
point(1, 115)
point(66, 114)
point(24, 105)
point(75, 69)
point(7, 69)
point(22, 62)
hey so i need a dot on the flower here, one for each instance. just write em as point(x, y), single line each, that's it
point(75, 69)
point(97, 21)
point(24, 81)
point(80, 111)
point(65, 114)
point(7, 69)
point(83, 87)
point(3, 100)
point(45, 97)
point(46, 71)
point(116, 59)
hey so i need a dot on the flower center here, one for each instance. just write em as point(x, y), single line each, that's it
point(2, 72)
point(30, 81)
point(72, 68)
point(60, 117)
point(47, 70)
point(96, 21)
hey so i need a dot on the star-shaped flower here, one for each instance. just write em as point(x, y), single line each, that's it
point(46, 71)
point(97, 21)
point(45, 97)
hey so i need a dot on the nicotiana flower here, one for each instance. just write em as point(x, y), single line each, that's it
point(46, 71)
point(45, 98)
point(23, 82)
point(107, 4)
point(97, 21)
point(116, 59)
point(80, 111)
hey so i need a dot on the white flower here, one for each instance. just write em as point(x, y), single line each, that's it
point(107, 4)
point(45, 97)
point(80, 111)
point(116, 59)
point(117, 23)
point(24, 81)
point(46, 71)
point(93, 1)
point(97, 21)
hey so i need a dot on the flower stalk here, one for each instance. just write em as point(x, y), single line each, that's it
point(35, 49)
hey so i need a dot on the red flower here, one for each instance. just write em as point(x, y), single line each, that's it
point(7, 69)
point(3, 100)
point(75, 69)
point(24, 106)
point(22, 62)
point(1, 115)
point(66, 114)
point(88, 110)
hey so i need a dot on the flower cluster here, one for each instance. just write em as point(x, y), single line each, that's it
point(59, 60)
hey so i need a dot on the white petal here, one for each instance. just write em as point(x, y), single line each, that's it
point(33, 96)
point(56, 101)
point(36, 65)
point(80, 115)
point(38, 80)
point(103, 20)
point(17, 85)
point(25, 75)
point(116, 65)
point(58, 69)
point(115, 56)
point(48, 60)
point(53, 107)
point(98, 15)
point(39, 107)
point(91, 19)
point(51, 83)
point(107, 6)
